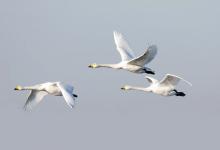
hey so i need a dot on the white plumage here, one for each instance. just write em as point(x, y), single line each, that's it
point(128, 60)
point(165, 87)
point(37, 93)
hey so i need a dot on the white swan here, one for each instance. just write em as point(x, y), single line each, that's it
point(165, 87)
point(128, 60)
point(53, 88)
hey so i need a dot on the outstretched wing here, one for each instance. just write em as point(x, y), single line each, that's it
point(151, 80)
point(172, 80)
point(34, 98)
point(123, 47)
point(145, 58)
point(67, 91)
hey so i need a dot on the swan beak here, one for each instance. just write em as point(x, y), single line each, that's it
point(92, 66)
point(18, 87)
point(126, 87)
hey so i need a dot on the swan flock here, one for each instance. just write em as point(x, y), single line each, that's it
point(129, 62)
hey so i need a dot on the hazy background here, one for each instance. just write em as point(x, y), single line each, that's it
point(52, 40)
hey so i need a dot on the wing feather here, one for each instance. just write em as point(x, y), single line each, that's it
point(123, 47)
point(145, 58)
point(151, 80)
point(172, 80)
point(34, 98)
point(67, 91)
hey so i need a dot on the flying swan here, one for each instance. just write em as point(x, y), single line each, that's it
point(53, 88)
point(128, 60)
point(165, 87)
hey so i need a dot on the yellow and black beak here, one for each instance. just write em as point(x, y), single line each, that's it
point(18, 87)
point(92, 65)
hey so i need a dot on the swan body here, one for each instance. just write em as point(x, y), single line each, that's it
point(165, 87)
point(125, 66)
point(52, 88)
point(128, 60)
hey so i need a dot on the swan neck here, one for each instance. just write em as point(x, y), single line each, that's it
point(107, 65)
point(28, 88)
point(139, 88)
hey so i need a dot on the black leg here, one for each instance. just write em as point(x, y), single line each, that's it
point(179, 93)
point(149, 72)
point(175, 90)
point(74, 95)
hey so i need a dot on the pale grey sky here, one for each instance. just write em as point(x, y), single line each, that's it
point(51, 40)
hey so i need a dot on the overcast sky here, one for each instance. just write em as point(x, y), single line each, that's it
point(52, 40)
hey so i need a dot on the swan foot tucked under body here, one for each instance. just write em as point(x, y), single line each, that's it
point(74, 95)
point(179, 93)
point(149, 71)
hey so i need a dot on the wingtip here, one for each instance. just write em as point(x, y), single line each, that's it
point(153, 47)
point(71, 106)
point(168, 74)
point(27, 108)
point(189, 83)
point(116, 33)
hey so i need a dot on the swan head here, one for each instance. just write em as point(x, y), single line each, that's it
point(94, 65)
point(18, 87)
point(126, 87)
